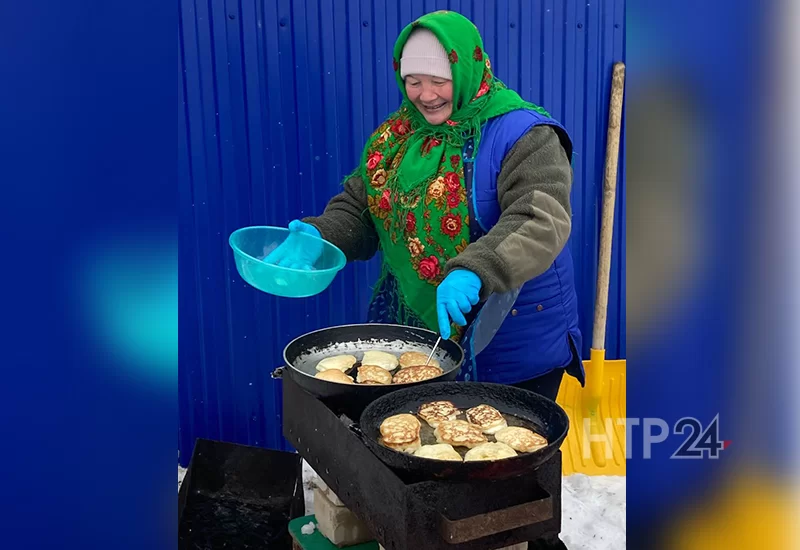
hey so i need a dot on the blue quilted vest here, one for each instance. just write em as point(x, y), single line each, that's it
point(531, 331)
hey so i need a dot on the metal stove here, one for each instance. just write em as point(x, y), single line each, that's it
point(405, 514)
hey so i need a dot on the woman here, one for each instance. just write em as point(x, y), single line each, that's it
point(465, 190)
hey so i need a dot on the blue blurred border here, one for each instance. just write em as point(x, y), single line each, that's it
point(686, 363)
point(88, 166)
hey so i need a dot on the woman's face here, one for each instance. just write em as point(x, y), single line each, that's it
point(432, 96)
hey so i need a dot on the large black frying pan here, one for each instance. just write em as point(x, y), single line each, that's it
point(303, 353)
point(534, 411)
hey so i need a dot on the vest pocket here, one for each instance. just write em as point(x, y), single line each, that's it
point(539, 302)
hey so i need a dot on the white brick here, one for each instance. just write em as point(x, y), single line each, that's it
point(338, 524)
point(311, 480)
point(323, 487)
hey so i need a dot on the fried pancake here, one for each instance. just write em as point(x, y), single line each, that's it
point(414, 358)
point(334, 375)
point(440, 451)
point(400, 436)
point(521, 439)
point(380, 359)
point(416, 374)
point(409, 447)
point(371, 373)
point(400, 428)
point(337, 362)
point(487, 418)
point(489, 451)
point(436, 412)
point(459, 433)
point(402, 419)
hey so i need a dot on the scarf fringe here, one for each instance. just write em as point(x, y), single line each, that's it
point(404, 313)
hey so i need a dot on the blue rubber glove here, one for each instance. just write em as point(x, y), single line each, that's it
point(455, 296)
point(297, 252)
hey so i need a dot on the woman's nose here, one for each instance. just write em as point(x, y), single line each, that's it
point(428, 94)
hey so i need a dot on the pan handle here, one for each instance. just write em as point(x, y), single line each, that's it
point(482, 525)
point(278, 373)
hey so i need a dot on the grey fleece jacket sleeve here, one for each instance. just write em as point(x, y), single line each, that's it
point(533, 188)
point(346, 222)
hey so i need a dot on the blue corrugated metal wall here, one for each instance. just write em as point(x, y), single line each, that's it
point(277, 99)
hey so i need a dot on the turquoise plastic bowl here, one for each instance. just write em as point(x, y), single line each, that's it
point(252, 244)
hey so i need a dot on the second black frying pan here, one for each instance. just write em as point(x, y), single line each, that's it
point(303, 354)
point(532, 410)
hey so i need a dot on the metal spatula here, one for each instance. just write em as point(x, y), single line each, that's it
point(436, 345)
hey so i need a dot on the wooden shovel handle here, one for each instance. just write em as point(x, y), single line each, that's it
point(609, 198)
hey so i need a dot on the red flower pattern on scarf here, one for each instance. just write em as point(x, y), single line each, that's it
point(411, 222)
point(374, 159)
point(451, 225)
point(452, 181)
point(386, 202)
point(401, 127)
point(429, 267)
point(429, 143)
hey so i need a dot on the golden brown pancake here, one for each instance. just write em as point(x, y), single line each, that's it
point(436, 412)
point(400, 428)
point(409, 447)
point(487, 418)
point(414, 358)
point(416, 374)
point(459, 433)
point(373, 374)
point(521, 439)
point(334, 375)
point(489, 451)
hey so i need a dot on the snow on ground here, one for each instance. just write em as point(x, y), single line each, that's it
point(593, 512)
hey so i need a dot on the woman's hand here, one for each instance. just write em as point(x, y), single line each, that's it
point(455, 297)
point(297, 252)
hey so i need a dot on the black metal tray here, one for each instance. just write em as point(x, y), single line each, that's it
point(235, 496)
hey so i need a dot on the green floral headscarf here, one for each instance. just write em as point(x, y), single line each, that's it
point(414, 171)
